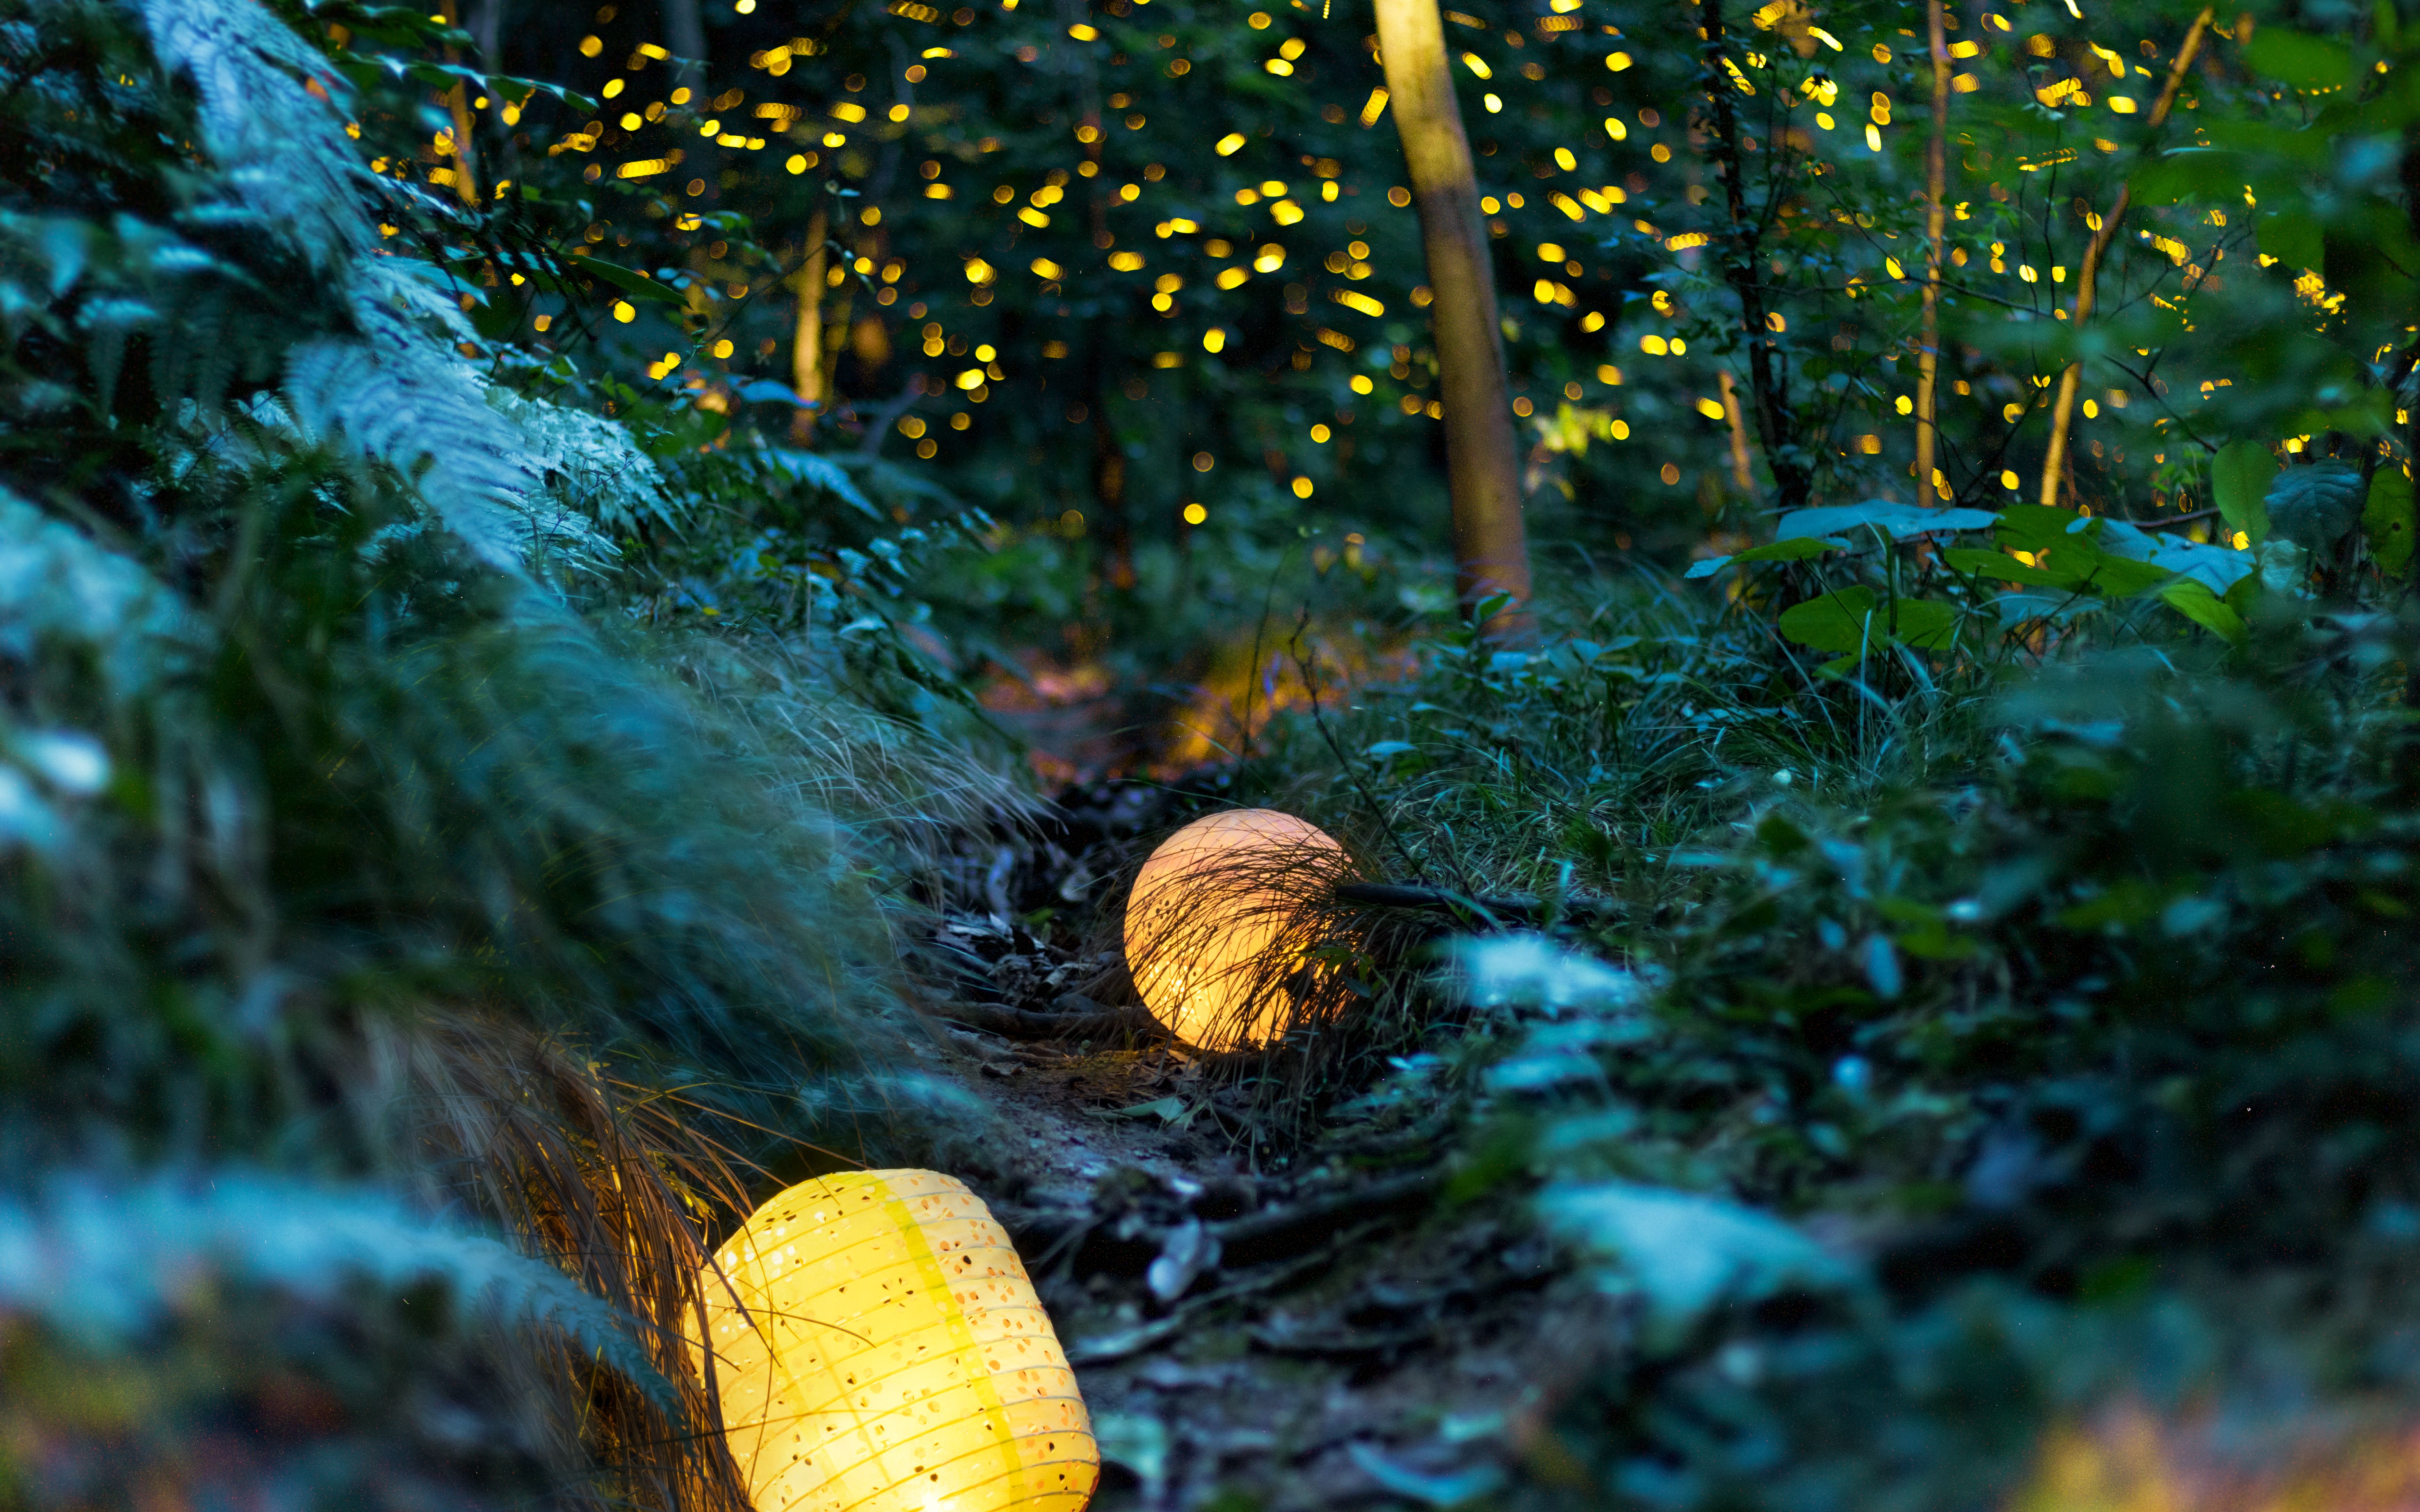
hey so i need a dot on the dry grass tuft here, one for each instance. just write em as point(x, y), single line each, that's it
point(607, 1182)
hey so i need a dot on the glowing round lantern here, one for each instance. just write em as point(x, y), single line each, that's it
point(878, 1348)
point(1213, 923)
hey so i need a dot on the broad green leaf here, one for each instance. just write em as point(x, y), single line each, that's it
point(2387, 520)
point(2293, 238)
point(2115, 576)
point(2315, 507)
point(1843, 621)
point(1797, 549)
point(2310, 62)
point(2037, 527)
point(1850, 620)
point(2239, 477)
point(1688, 1253)
point(1926, 624)
point(2196, 602)
point(1900, 520)
point(1999, 566)
point(629, 280)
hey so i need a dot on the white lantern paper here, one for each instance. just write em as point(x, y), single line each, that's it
point(1211, 913)
point(878, 1348)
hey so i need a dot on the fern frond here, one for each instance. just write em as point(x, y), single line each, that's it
point(102, 1264)
point(398, 396)
point(66, 603)
point(283, 151)
point(591, 462)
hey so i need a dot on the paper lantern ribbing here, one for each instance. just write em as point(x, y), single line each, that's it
point(1208, 923)
point(878, 1348)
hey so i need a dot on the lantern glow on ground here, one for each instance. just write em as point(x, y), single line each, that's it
point(878, 1348)
point(1211, 922)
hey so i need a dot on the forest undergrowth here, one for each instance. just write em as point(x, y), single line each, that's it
point(1854, 1005)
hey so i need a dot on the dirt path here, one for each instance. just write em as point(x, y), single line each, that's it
point(1254, 1327)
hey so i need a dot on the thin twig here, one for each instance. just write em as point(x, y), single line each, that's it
point(2054, 461)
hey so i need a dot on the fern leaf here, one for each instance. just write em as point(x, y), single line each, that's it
point(399, 396)
point(284, 150)
point(103, 1264)
point(63, 598)
point(592, 462)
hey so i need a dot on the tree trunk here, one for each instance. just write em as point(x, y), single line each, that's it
point(1491, 550)
point(1768, 379)
point(685, 34)
point(1110, 496)
point(807, 337)
point(1937, 191)
point(457, 105)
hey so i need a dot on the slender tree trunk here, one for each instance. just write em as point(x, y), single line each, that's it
point(685, 35)
point(1936, 189)
point(807, 336)
point(1777, 422)
point(1491, 547)
point(2056, 464)
point(487, 27)
point(1741, 472)
point(1109, 495)
point(457, 104)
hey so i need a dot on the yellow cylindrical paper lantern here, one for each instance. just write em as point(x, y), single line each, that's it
point(1209, 923)
point(878, 1348)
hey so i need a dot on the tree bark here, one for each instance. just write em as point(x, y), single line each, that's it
point(807, 336)
point(457, 104)
point(1777, 423)
point(1936, 189)
point(1110, 496)
point(1491, 547)
point(685, 34)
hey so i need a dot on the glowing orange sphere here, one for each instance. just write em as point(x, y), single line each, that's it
point(1211, 924)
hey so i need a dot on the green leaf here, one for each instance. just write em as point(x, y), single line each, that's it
point(1843, 620)
point(1926, 624)
point(1796, 550)
point(2387, 520)
point(1687, 1253)
point(2001, 567)
point(2239, 477)
point(2196, 602)
point(629, 280)
point(2312, 62)
point(2317, 505)
point(2037, 528)
point(2191, 173)
point(2293, 238)
point(1847, 621)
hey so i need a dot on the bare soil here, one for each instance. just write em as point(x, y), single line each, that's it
point(1322, 1322)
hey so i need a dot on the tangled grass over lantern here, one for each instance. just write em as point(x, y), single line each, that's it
point(1236, 940)
point(1221, 922)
